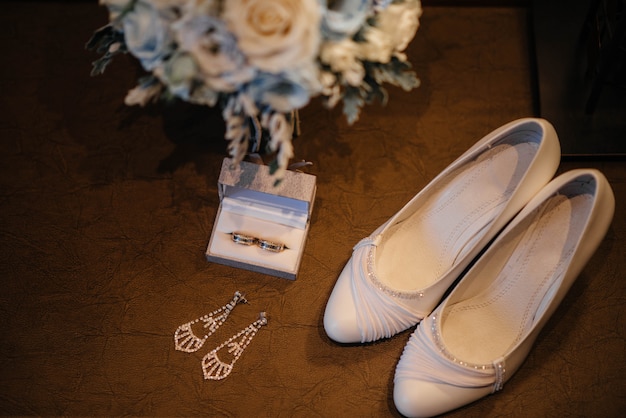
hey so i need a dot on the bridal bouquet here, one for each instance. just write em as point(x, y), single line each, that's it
point(262, 60)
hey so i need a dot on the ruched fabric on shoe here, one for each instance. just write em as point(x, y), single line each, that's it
point(391, 314)
point(422, 360)
point(500, 306)
point(399, 274)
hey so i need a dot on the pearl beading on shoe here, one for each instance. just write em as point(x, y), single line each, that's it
point(498, 366)
point(383, 287)
point(500, 374)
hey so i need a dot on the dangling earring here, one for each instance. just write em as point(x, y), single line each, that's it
point(186, 340)
point(216, 369)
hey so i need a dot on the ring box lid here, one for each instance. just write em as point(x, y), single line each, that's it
point(252, 203)
point(298, 186)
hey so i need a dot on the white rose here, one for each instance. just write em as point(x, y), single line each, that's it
point(341, 56)
point(378, 46)
point(275, 34)
point(400, 22)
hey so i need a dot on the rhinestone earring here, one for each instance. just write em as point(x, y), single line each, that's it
point(186, 340)
point(216, 369)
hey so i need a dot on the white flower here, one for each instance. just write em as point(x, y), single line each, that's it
point(378, 46)
point(342, 58)
point(330, 88)
point(400, 21)
point(141, 95)
point(178, 74)
point(262, 59)
point(275, 35)
point(395, 27)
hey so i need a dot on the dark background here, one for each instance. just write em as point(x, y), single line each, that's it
point(106, 211)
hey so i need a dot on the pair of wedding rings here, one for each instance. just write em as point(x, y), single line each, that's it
point(243, 239)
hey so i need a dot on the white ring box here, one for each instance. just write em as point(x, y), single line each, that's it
point(251, 204)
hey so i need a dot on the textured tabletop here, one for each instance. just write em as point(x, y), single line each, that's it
point(106, 212)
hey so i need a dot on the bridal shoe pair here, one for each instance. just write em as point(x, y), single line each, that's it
point(472, 343)
point(398, 274)
point(476, 339)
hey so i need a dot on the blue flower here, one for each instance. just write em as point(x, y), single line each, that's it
point(261, 60)
point(279, 91)
point(147, 34)
point(343, 18)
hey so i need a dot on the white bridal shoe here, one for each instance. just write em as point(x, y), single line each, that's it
point(480, 335)
point(398, 274)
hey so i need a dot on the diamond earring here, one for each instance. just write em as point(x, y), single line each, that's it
point(216, 369)
point(186, 340)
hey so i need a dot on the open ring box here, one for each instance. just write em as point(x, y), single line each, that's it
point(251, 205)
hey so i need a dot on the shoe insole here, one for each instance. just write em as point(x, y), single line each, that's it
point(452, 218)
point(485, 326)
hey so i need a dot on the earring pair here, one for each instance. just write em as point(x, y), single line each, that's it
point(212, 367)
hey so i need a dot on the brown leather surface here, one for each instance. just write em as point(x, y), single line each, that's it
point(105, 213)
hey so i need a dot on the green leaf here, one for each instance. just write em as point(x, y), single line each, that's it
point(102, 41)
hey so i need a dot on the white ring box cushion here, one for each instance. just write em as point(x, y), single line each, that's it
point(252, 204)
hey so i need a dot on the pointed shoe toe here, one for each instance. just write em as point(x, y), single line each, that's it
point(479, 336)
point(340, 317)
point(399, 274)
point(415, 398)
